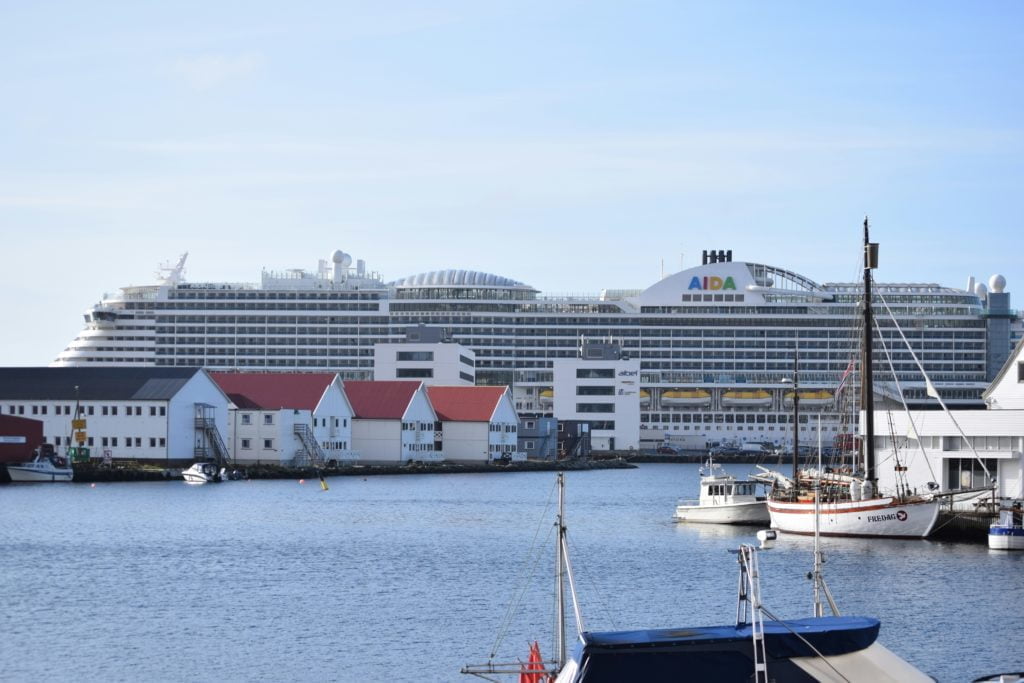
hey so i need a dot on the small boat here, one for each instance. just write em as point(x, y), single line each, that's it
point(812, 398)
point(1008, 532)
point(724, 500)
point(203, 473)
point(759, 397)
point(757, 647)
point(46, 466)
point(685, 397)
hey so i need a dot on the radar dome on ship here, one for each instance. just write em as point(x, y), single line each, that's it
point(997, 283)
point(341, 258)
point(981, 290)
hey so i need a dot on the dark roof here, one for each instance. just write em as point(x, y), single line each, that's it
point(274, 390)
point(94, 384)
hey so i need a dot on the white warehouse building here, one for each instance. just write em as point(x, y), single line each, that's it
point(170, 416)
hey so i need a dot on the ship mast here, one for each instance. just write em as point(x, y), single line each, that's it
point(866, 384)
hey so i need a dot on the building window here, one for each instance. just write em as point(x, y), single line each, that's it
point(968, 473)
point(163, 410)
point(163, 442)
point(529, 445)
point(103, 441)
point(595, 407)
point(268, 443)
point(595, 373)
point(415, 355)
point(138, 442)
point(113, 441)
point(268, 419)
point(465, 360)
point(530, 424)
point(595, 391)
point(246, 419)
point(414, 372)
point(152, 442)
point(465, 376)
point(246, 444)
point(152, 411)
point(138, 410)
point(1020, 372)
point(113, 410)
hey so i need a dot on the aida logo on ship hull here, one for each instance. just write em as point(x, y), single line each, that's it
point(711, 282)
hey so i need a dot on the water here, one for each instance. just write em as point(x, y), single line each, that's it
point(407, 578)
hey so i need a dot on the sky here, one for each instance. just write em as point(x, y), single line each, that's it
point(571, 145)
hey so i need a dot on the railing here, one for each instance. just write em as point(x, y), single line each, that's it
point(310, 454)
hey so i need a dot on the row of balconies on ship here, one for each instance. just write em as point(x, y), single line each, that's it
point(721, 398)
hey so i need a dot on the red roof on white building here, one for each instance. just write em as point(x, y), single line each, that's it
point(274, 390)
point(380, 400)
point(465, 404)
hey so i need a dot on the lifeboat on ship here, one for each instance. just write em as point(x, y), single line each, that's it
point(645, 397)
point(812, 398)
point(686, 397)
point(753, 398)
point(546, 397)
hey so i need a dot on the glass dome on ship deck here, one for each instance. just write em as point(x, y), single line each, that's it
point(443, 284)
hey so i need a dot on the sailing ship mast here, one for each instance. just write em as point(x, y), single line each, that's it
point(866, 384)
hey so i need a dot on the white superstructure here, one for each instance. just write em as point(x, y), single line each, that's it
point(714, 342)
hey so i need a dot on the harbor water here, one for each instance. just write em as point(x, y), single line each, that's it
point(408, 578)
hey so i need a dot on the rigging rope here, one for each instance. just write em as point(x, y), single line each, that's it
point(899, 390)
point(533, 558)
point(934, 393)
point(823, 658)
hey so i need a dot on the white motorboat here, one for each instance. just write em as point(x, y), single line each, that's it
point(203, 473)
point(44, 467)
point(1008, 532)
point(724, 500)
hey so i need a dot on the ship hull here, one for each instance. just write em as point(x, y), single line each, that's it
point(737, 513)
point(878, 517)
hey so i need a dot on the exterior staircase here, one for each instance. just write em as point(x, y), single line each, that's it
point(209, 443)
point(310, 454)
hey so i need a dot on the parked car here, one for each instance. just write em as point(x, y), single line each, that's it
point(666, 450)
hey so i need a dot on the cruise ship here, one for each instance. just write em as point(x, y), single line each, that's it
point(716, 342)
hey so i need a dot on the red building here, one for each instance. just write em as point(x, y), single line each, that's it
point(19, 436)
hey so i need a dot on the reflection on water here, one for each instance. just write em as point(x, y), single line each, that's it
point(739, 533)
point(408, 578)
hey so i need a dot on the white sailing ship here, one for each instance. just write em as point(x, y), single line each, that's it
point(850, 503)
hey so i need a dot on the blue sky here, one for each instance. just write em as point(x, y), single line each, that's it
point(571, 145)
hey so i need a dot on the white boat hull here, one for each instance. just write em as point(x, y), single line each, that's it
point(736, 513)
point(28, 472)
point(884, 517)
point(202, 473)
point(1005, 538)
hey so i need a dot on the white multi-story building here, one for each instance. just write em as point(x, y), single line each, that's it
point(715, 342)
point(288, 418)
point(955, 450)
point(601, 387)
point(426, 355)
point(478, 424)
point(170, 416)
point(393, 422)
